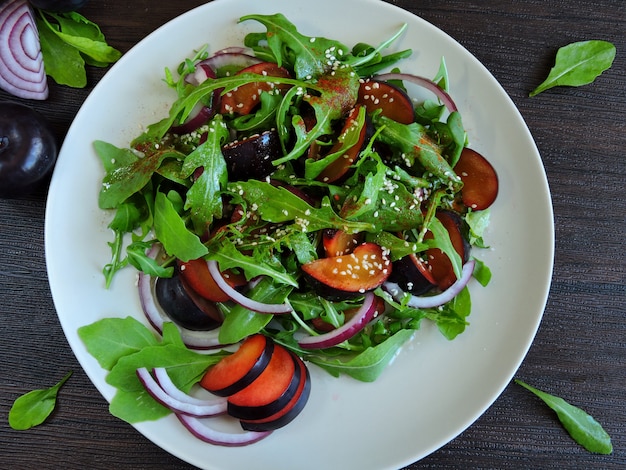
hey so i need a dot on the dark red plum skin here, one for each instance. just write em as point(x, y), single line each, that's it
point(252, 157)
point(28, 149)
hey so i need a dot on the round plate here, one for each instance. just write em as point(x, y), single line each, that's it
point(435, 388)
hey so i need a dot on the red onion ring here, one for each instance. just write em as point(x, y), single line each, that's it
point(227, 58)
point(192, 339)
point(204, 432)
point(433, 300)
point(445, 98)
point(165, 382)
point(241, 299)
point(203, 410)
point(22, 71)
point(234, 50)
point(362, 317)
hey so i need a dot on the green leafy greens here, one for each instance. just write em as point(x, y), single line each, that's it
point(578, 63)
point(34, 407)
point(122, 345)
point(69, 41)
point(583, 428)
point(174, 192)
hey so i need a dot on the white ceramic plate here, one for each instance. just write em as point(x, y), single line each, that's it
point(435, 389)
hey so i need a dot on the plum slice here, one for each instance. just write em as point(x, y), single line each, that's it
point(235, 372)
point(366, 268)
point(411, 275)
point(292, 409)
point(270, 391)
point(252, 157)
point(480, 180)
point(391, 100)
point(184, 307)
point(337, 242)
point(197, 276)
point(244, 99)
point(436, 266)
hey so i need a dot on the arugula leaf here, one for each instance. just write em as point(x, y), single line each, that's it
point(136, 406)
point(33, 408)
point(386, 203)
point(481, 273)
point(583, 428)
point(62, 62)
point(204, 197)
point(578, 63)
point(228, 256)
point(240, 322)
point(442, 241)
point(126, 174)
point(369, 364)
point(122, 345)
point(184, 366)
point(362, 60)
point(172, 232)
point(68, 41)
point(310, 57)
point(416, 146)
point(136, 256)
point(338, 93)
point(277, 204)
point(110, 339)
point(451, 319)
point(347, 140)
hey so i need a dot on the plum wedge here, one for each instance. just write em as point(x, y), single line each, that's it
point(480, 180)
point(393, 102)
point(366, 268)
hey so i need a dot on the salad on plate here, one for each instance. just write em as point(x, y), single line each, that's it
point(300, 204)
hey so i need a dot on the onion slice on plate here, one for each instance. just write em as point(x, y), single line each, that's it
point(203, 431)
point(362, 317)
point(22, 71)
point(241, 299)
point(199, 410)
point(165, 382)
point(445, 98)
point(433, 300)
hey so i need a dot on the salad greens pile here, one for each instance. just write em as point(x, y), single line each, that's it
point(174, 190)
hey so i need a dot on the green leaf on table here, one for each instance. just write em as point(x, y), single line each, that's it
point(578, 64)
point(68, 42)
point(583, 428)
point(62, 62)
point(33, 408)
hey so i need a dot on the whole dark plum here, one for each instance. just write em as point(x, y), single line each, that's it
point(58, 6)
point(28, 149)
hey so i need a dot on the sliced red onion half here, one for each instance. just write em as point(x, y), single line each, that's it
point(362, 317)
point(434, 300)
point(201, 114)
point(22, 70)
point(234, 50)
point(241, 299)
point(227, 58)
point(165, 382)
point(203, 410)
point(445, 98)
point(203, 431)
point(156, 317)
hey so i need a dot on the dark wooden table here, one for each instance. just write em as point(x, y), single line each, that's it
point(580, 350)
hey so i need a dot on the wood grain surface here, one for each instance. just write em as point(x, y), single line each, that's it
point(580, 350)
